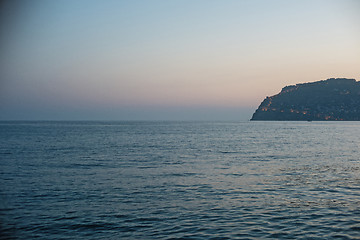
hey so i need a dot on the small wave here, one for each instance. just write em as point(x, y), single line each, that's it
point(144, 219)
point(185, 174)
point(92, 226)
point(6, 153)
point(228, 152)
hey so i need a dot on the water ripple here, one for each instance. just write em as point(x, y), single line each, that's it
point(171, 180)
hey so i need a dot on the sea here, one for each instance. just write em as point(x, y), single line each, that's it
point(179, 180)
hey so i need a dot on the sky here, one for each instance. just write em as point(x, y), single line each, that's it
point(167, 60)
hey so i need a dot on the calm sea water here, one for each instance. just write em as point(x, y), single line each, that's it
point(179, 180)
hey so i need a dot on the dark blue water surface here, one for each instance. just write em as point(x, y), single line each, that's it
point(179, 180)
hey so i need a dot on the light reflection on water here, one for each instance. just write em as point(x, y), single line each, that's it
point(202, 180)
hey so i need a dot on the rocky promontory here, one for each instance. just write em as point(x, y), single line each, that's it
point(334, 99)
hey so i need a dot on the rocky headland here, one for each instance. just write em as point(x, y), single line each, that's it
point(334, 99)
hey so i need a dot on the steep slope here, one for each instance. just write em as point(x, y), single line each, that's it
point(335, 99)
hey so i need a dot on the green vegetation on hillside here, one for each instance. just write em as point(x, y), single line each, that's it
point(333, 99)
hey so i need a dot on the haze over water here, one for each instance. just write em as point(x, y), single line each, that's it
point(179, 180)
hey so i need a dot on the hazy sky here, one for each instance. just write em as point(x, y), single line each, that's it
point(167, 60)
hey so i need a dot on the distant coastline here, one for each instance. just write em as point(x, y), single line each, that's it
point(334, 99)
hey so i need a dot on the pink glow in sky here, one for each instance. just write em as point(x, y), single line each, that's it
point(168, 59)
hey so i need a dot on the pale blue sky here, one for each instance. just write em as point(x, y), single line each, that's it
point(171, 60)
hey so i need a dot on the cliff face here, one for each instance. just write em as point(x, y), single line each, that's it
point(335, 99)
